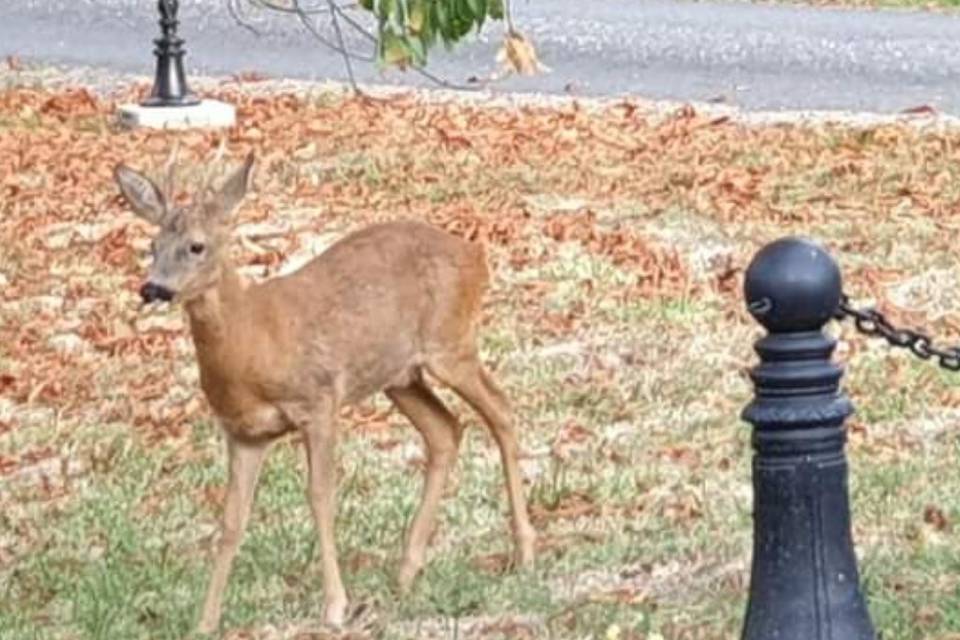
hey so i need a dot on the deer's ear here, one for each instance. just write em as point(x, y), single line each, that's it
point(144, 197)
point(233, 190)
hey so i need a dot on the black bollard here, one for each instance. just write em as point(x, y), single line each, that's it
point(804, 583)
point(170, 83)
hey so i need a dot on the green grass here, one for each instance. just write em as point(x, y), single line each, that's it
point(123, 558)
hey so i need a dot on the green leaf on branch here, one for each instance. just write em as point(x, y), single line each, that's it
point(409, 28)
point(417, 16)
point(417, 50)
point(393, 48)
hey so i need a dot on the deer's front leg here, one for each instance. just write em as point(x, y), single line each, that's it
point(245, 461)
point(320, 437)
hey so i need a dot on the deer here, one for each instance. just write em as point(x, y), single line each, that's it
point(375, 311)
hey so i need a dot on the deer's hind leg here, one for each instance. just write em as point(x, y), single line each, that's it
point(441, 436)
point(466, 376)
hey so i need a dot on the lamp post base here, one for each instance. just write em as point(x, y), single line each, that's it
point(204, 114)
point(188, 100)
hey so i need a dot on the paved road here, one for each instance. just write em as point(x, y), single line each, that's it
point(754, 56)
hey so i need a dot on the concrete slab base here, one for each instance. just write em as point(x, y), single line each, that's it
point(209, 113)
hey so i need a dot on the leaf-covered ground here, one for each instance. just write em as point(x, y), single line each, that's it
point(617, 240)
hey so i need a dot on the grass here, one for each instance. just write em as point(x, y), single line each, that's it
point(128, 547)
point(617, 241)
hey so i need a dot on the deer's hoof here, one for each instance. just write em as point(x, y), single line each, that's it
point(408, 573)
point(334, 612)
point(207, 627)
point(525, 554)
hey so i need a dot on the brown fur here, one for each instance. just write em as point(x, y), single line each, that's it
point(373, 312)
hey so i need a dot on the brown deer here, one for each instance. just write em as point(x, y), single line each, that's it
point(373, 312)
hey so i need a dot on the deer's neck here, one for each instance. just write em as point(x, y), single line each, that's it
point(213, 314)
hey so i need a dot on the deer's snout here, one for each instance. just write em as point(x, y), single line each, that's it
point(151, 292)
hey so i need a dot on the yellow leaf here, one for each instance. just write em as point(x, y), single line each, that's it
point(518, 55)
point(415, 19)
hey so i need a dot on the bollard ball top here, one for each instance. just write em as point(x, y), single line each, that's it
point(792, 284)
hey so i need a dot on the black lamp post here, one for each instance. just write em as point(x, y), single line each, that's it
point(804, 583)
point(170, 84)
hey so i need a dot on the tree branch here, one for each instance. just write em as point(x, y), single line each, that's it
point(334, 17)
point(338, 12)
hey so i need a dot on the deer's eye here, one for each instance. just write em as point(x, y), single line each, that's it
point(196, 248)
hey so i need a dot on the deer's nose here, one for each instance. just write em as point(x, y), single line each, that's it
point(151, 292)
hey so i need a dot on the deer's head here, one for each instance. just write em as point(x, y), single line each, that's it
point(193, 241)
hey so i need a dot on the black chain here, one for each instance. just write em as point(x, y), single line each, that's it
point(873, 323)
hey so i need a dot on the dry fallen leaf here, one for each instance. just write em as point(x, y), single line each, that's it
point(935, 517)
point(518, 55)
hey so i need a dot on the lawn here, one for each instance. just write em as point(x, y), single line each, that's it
point(617, 239)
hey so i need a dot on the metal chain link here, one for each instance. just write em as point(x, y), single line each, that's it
point(873, 323)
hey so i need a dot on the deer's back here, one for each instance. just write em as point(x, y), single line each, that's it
point(368, 310)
